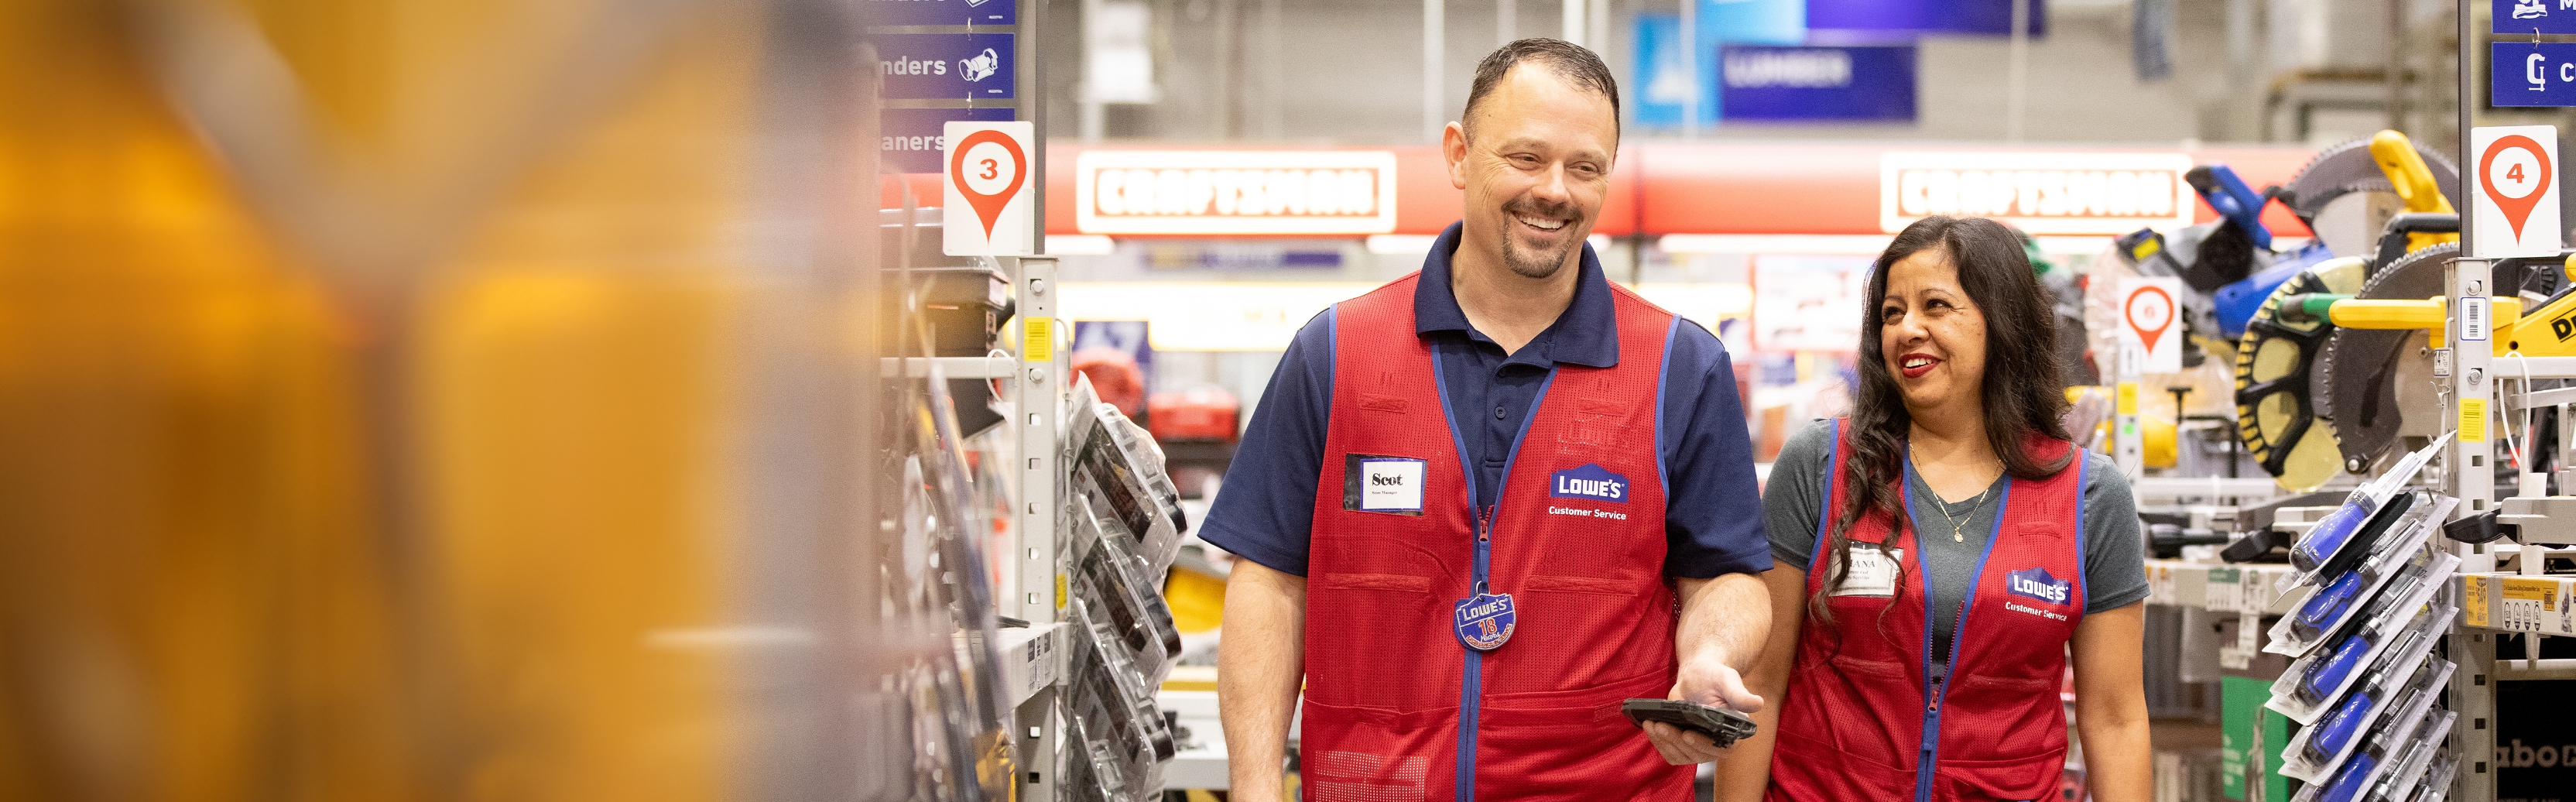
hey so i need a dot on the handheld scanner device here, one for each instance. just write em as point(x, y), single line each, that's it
point(2326, 675)
point(2414, 183)
point(2232, 199)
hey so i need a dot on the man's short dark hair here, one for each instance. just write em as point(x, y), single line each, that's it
point(1570, 61)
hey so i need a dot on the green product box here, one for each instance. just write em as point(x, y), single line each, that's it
point(2240, 706)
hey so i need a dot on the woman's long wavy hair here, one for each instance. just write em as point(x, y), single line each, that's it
point(2024, 394)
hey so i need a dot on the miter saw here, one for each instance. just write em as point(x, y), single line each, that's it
point(2376, 372)
point(2378, 207)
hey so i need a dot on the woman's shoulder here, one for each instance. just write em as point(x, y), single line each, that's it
point(1810, 446)
point(2103, 479)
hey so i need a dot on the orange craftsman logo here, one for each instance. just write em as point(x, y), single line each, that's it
point(1217, 192)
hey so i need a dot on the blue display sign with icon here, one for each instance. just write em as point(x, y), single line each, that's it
point(940, 12)
point(2534, 16)
point(2533, 74)
point(1869, 83)
point(934, 66)
point(1891, 20)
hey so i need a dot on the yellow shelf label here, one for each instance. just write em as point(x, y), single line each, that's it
point(2473, 420)
point(2128, 398)
point(1037, 339)
point(2474, 601)
point(2544, 591)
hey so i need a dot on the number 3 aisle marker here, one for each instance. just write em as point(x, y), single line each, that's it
point(987, 169)
point(2517, 191)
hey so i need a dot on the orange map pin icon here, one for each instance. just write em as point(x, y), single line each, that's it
point(2516, 209)
point(988, 206)
point(2150, 316)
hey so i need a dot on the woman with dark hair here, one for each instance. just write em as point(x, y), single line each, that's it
point(1940, 551)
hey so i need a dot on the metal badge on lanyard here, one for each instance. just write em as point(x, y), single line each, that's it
point(1485, 619)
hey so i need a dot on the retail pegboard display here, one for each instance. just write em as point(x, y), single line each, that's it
point(1120, 525)
point(1031, 574)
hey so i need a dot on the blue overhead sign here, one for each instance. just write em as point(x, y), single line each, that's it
point(1673, 64)
point(1872, 83)
point(911, 140)
point(932, 66)
point(940, 12)
point(1887, 20)
point(2533, 74)
point(2534, 16)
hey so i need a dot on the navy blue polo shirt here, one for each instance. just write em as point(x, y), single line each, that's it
point(1713, 521)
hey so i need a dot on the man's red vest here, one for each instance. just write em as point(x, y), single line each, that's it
point(1397, 708)
point(1868, 708)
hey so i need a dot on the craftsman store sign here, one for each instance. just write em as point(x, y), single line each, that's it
point(2040, 193)
point(1234, 192)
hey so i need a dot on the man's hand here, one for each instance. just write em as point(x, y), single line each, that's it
point(1723, 621)
point(1710, 681)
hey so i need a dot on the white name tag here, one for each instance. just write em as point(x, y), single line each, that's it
point(1391, 485)
point(1873, 571)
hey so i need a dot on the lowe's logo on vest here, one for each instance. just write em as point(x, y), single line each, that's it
point(2037, 584)
point(1590, 482)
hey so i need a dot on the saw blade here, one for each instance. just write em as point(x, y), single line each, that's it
point(2369, 378)
point(2347, 167)
point(2276, 416)
point(2345, 198)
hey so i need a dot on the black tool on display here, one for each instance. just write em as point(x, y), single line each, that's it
point(2267, 543)
point(1721, 725)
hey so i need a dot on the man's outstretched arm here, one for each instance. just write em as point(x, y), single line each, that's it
point(1261, 663)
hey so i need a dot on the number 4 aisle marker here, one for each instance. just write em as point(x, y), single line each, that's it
point(2515, 198)
point(988, 189)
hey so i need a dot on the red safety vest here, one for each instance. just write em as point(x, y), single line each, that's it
point(1867, 708)
point(1397, 708)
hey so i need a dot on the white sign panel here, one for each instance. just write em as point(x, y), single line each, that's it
point(2040, 193)
point(2514, 191)
point(988, 188)
point(2150, 317)
point(1229, 192)
point(1808, 303)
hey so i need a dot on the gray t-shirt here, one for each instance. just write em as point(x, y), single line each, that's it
point(2115, 559)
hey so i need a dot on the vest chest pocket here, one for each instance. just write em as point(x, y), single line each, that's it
point(2028, 717)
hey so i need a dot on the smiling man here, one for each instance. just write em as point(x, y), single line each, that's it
point(1484, 504)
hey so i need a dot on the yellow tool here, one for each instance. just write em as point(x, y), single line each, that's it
point(2413, 182)
point(2549, 330)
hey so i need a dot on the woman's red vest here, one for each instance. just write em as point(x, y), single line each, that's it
point(1397, 708)
point(1869, 707)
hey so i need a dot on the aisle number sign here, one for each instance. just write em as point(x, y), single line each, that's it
point(1217, 192)
point(2148, 315)
point(986, 189)
point(2532, 74)
point(2041, 193)
point(2515, 194)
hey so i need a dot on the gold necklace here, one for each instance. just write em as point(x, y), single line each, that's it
point(1957, 530)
